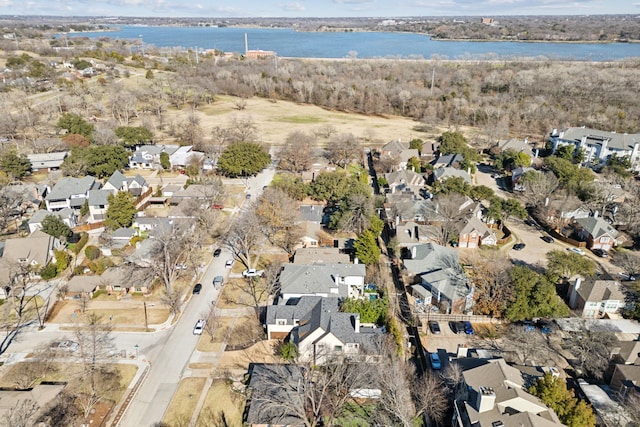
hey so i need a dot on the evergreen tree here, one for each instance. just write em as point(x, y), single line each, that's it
point(571, 411)
point(534, 296)
point(367, 249)
point(73, 123)
point(243, 159)
point(121, 210)
point(132, 136)
point(54, 226)
point(15, 165)
point(164, 160)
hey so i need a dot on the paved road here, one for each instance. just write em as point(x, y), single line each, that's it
point(170, 355)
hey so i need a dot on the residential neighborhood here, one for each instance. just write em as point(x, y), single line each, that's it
point(177, 249)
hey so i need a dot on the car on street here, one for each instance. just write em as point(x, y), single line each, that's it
point(600, 252)
point(468, 328)
point(197, 288)
point(228, 263)
point(576, 251)
point(457, 327)
point(217, 252)
point(626, 276)
point(252, 272)
point(519, 246)
point(69, 346)
point(435, 361)
point(199, 327)
point(548, 239)
point(217, 282)
point(434, 327)
point(248, 196)
point(529, 222)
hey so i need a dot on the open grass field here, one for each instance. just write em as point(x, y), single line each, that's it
point(184, 401)
point(129, 313)
point(221, 401)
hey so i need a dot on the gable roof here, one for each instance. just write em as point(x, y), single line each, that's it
point(630, 352)
point(41, 214)
point(394, 147)
point(474, 224)
point(322, 255)
point(448, 160)
point(36, 247)
point(314, 213)
point(117, 180)
point(601, 290)
point(99, 197)
point(449, 172)
point(429, 257)
point(404, 176)
point(619, 141)
point(450, 282)
point(316, 278)
point(68, 186)
point(597, 227)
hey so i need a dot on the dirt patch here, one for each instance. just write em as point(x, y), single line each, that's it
point(184, 401)
point(200, 366)
point(221, 402)
point(127, 313)
point(233, 295)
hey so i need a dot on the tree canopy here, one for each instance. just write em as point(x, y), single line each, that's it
point(564, 264)
point(534, 296)
point(97, 160)
point(456, 143)
point(571, 411)
point(243, 159)
point(132, 136)
point(511, 159)
point(367, 249)
point(121, 210)
point(54, 226)
point(15, 165)
point(73, 123)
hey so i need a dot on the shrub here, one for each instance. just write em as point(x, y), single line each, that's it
point(288, 351)
point(62, 260)
point(78, 270)
point(92, 252)
point(99, 292)
point(84, 238)
point(49, 271)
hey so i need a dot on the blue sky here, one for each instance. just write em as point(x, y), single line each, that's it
point(316, 8)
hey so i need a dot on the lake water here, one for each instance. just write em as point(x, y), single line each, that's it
point(289, 43)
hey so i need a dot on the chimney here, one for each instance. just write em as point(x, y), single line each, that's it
point(415, 233)
point(486, 399)
point(356, 323)
point(574, 293)
point(413, 252)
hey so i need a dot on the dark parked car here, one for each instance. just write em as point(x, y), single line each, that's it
point(468, 328)
point(530, 222)
point(434, 327)
point(601, 253)
point(457, 327)
point(519, 246)
point(217, 252)
point(197, 288)
point(548, 239)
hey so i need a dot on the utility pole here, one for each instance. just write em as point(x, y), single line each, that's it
point(146, 319)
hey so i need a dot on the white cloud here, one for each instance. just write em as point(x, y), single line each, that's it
point(292, 7)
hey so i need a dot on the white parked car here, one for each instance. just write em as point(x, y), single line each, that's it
point(576, 250)
point(252, 272)
point(199, 327)
point(228, 263)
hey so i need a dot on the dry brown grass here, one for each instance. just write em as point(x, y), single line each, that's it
point(184, 401)
point(206, 345)
point(261, 352)
point(221, 399)
point(122, 312)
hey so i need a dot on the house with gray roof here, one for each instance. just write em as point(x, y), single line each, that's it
point(596, 299)
point(321, 332)
point(450, 288)
point(429, 256)
point(135, 186)
point(494, 394)
point(184, 156)
point(70, 192)
point(598, 146)
point(442, 173)
point(148, 156)
point(597, 232)
point(67, 216)
point(448, 161)
point(411, 234)
point(98, 201)
point(47, 161)
point(515, 144)
point(144, 224)
point(326, 280)
point(320, 255)
point(313, 213)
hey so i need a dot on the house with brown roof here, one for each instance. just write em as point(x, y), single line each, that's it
point(405, 181)
point(625, 379)
point(399, 152)
point(35, 250)
point(475, 233)
point(595, 299)
point(494, 394)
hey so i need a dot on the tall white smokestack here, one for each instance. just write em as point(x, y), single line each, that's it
point(246, 43)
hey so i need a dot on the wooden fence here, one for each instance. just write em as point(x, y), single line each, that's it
point(88, 227)
point(565, 239)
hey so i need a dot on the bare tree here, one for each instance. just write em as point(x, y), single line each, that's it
point(539, 186)
point(21, 414)
point(344, 149)
point(396, 402)
point(173, 300)
point(591, 348)
point(10, 201)
point(295, 154)
point(429, 397)
point(95, 344)
point(444, 229)
point(28, 373)
point(212, 321)
point(243, 129)
point(244, 239)
point(493, 289)
point(278, 216)
point(172, 247)
point(628, 261)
